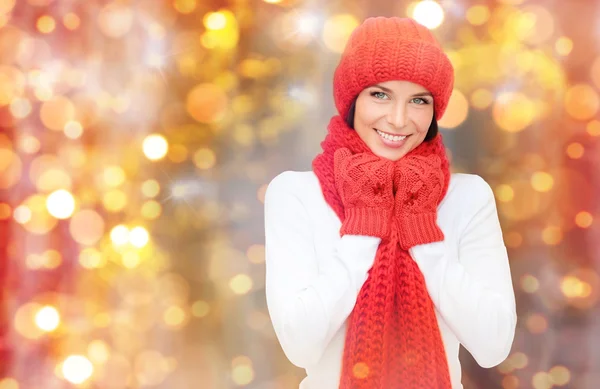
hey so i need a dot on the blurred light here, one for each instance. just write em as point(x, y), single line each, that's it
point(256, 253)
point(575, 150)
point(573, 287)
point(114, 176)
point(478, 14)
point(536, 323)
point(529, 283)
point(584, 219)
point(98, 351)
point(481, 98)
point(5, 7)
point(46, 24)
point(151, 210)
point(242, 372)
point(505, 193)
point(185, 6)
point(56, 112)
point(241, 284)
point(206, 103)
point(115, 19)
point(204, 158)
point(71, 21)
point(593, 128)
point(119, 235)
point(11, 166)
point(87, 227)
point(114, 200)
point(428, 13)
point(29, 144)
point(272, 1)
point(131, 259)
point(77, 369)
point(47, 318)
point(90, 258)
point(510, 382)
point(337, 30)
point(513, 111)
point(582, 102)
point(200, 308)
point(24, 321)
point(155, 147)
point(138, 237)
point(552, 235)
point(457, 110)
point(178, 153)
point(5, 211)
point(20, 107)
point(60, 204)
point(541, 380)
point(73, 129)
point(560, 375)
point(22, 214)
point(174, 316)
point(8, 383)
point(150, 368)
point(215, 21)
point(542, 181)
point(564, 46)
point(150, 188)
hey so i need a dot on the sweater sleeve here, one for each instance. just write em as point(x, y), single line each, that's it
point(472, 289)
point(308, 301)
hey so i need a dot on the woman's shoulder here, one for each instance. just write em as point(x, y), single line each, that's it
point(470, 190)
point(300, 184)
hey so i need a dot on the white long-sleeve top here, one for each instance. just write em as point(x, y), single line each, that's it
point(313, 276)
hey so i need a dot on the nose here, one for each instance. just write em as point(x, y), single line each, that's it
point(396, 116)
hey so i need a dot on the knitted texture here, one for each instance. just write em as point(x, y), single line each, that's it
point(362, 181)
point(384, 49)
point(393, 340)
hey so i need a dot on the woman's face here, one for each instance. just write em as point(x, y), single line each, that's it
point(393, 117)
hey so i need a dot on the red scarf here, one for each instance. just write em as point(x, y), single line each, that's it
point(393, 340)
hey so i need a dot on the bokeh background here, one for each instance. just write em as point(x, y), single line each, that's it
point(138, 137)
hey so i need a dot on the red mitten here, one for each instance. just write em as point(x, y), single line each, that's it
point(419, 183)
point(365, 185)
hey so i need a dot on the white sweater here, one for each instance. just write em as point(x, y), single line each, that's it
point(313, 276)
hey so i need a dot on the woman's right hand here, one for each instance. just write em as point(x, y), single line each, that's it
point(365, 185)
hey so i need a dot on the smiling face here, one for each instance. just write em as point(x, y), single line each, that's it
point(393, 117)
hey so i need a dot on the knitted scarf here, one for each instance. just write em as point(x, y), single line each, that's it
point(393, 340)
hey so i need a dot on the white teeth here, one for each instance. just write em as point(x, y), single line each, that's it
point(394, 138)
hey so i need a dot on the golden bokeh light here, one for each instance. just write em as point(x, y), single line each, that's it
point(337, 30)
point(204, 158)
point(428, 13)
point(510, 382)
point(150, 188)
point(71, 21)
point(537, 323)
point(481, 98)
point(60, 204)
point(207, 103)
point(46, 24)
point(552, 235)
point(24, 321)
point(151, 210)
point(529, 283)
point(478, 14)
point(456, 112)
point(504, 193)
point(5, 211)
point(86, 227)
point(155, 147)
point(185, 6)
point(57, 112)
point(8, 383)
point(513, 111)
point(200, 308)
point(541, 380)
point(37, 219)
point(90, 258)
point(575, 150)
point(77, 369)
point(73, 129)
point(115, 19)
point(139, 237)
point(542, 181)
point(11, 168)
point(584, 219)
point(242, 374)
point(560, 375)
point(174, 316)
point(47, 318)
point(241, 284)
point(582, 102)
point(564, 46)
point(593, 128)
point(114, 176)
point(256, 253)
point(98, 351)
point(114, 200)
point(119, 235)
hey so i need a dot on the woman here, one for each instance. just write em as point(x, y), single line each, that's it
point(379, 262)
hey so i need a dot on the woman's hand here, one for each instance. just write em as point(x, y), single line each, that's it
point(365, 185)
point(418, 183)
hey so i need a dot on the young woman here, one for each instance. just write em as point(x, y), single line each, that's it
point(380, 262)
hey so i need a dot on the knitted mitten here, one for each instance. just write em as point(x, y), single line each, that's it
point(419, 182)
point(365, 185)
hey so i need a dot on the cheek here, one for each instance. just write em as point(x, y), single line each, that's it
point(423, 119)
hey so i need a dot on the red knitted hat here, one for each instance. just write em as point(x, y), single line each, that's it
point(385, 49)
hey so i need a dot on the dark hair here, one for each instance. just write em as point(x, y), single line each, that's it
point(431, 132)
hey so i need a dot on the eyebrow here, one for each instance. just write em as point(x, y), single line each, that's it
point(388, 90)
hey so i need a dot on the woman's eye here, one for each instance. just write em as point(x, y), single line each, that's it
point(420, 101)
point(379, 95)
